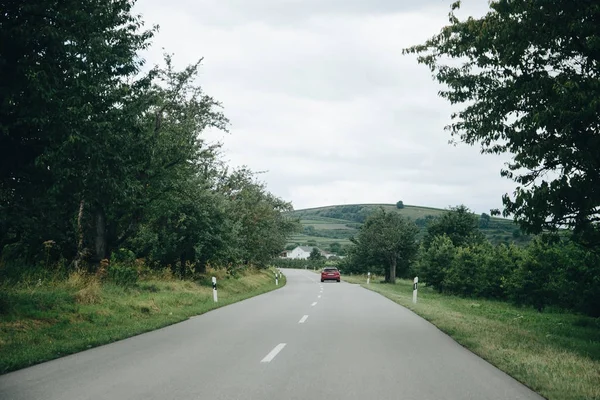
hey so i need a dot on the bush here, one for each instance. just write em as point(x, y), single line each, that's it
point(123, 257)
point(557, 274)
point(400, 205)
point(465, 275)
point(497, 265)
point(434, 262)
point(122, 275)
point(548, 272)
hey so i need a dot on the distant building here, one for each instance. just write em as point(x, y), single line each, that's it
point(303, 252)
point(299, 253)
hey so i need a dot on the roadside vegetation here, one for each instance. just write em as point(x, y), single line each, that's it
point(455, 258)
point(50, 318)
point(530, 308)
point(114, 208)
point(555, 353)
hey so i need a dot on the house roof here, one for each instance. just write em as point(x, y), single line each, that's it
point(308, 249)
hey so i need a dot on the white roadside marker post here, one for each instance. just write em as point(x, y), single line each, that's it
point(415, 282)
point(368, 278)
point(276, 279)
point(214, 282)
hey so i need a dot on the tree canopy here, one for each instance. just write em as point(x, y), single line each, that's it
point(387, 239)
point(458, 224)
point(315, 254)
point(526, 78)
point(97, 155)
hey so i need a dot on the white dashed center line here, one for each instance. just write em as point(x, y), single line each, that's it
point(303, 319)
point(313, 304)
point(269, 357)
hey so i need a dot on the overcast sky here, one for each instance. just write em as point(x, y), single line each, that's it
point(320, 96)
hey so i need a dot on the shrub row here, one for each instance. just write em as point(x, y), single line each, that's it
point(545, 273)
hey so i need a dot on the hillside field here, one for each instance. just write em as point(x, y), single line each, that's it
point(323, 226)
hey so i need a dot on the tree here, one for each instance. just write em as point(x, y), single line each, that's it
point(96, 156)
point(315, 254)
point(535, 96)
point(260, 227)
point(459, 224)
point(67, 79)
point(172, 215)
point(387, 239)
point(484, 221)
point(400, 205)
point(335, 248)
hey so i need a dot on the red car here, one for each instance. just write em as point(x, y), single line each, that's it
point(330, 273)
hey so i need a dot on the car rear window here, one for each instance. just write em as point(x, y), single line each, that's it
point(330, 269)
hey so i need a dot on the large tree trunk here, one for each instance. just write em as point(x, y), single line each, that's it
point(392, 274)
point(100, 234)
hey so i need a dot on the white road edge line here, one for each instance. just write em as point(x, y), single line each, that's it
point(303, 319)
point(313, 304)
point(319, 296)
point(269, 357)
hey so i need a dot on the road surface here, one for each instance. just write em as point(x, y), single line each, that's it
point(305, 341)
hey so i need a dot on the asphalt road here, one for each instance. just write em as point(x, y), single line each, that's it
point(305, 341)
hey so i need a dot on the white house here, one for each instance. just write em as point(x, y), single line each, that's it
point(303, 252)
point(299, 253)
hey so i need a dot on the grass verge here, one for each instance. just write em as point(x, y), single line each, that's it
point(40, 322)
point(556, 354)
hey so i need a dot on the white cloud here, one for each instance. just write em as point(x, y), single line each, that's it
point(320, 95)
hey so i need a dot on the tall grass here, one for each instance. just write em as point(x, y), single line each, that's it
point(44, 319)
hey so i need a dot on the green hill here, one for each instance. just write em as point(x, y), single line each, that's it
point(323, 226)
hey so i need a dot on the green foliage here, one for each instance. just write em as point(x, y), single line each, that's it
point(259, 224)
point(96, 156)
point(549, 272)
point(337, 249)
point(297, 264)
point(535, 96)
point(315, 255)
point(435, 261)
point(556, 353)
point(558, 274)
point(123, 256)
point(122, 275)
point(386, 240)
point(466, 273)
point(355, 213)
point(498, 230)
point(484, 221)
point(497, 268)
point(68, 85)
point(400, 205)
point(459, 224)
point(52, 320)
